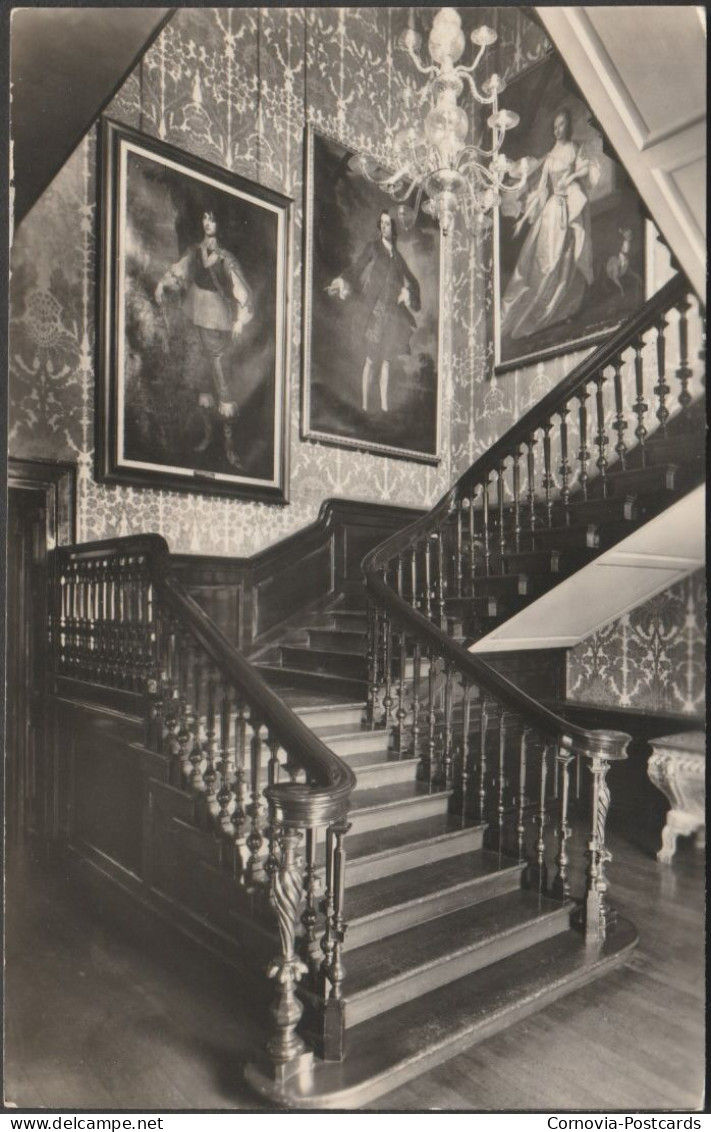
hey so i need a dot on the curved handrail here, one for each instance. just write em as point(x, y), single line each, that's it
point(297, 804)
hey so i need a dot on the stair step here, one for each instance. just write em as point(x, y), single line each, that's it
point(476, 606)
point(389, 905)
point(502, 585)
point(341, 640)
point(390, 1049)
point(345, 742)
point(356, 620)
point(325, 681)
point(338, 716)
point(614, 509)
point(658, 478)
point(383, 771)
point(402, 847)
point(330, 663)
point(543, 562)
point(586, 535)
point(387, 973)
point(374, 808)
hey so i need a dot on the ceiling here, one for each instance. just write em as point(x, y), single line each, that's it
point(65, 66)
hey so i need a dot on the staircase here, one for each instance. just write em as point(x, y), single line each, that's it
point(419, 843)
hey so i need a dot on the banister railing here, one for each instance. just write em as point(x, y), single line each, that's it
point(506, 758)
point(263, 783)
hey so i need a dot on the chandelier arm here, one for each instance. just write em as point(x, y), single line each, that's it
point(472, 66)
point(431, 70)
point(475, 90)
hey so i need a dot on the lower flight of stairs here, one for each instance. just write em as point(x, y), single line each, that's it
point(445, 944)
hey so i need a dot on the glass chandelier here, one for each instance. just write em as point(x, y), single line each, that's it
point(434, 158)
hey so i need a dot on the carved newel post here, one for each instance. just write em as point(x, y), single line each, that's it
point(596, 913)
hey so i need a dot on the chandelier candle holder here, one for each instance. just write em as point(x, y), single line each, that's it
point(435, 159)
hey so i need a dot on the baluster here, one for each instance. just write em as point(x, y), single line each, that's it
point(327, 907)
point(472, 543)
point(429, 770)
point(531, 472)
point(414, 580)
point(500, 499)
point(210, 775)
point(601, 439)
point(227, 765)
point(501, 777)
point(564, 467)
point(540, 869)
point(620, 423)
point(597, 912)
point(517, 498)
point(458, 567)
point(333, 967)
point(661, 389)
point(401, 713)
point(272, 861)
point(372, 661)
point(584, 452)
point(428, 577)
point(197, 753)
point(684, 372)
point(387, 670)
point(483, 725)
point(641, 406)
point(466, 746)
point(415, 707)
point(309, 917)
point(441, 581)
point(561, 884)
point(254, 870)
point(183, 735)
point(445, 770)
point(486, 533)
point(521, 799)
point(239, 813)
point(548, 472)
point(285, 1045)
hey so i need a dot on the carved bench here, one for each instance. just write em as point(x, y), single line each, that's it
point(677, 767)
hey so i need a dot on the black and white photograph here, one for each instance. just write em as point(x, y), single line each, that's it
point(355, 589)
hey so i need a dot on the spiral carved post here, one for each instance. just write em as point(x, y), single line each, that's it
point(287, 1052)
point(561, 884)
point(596, 912)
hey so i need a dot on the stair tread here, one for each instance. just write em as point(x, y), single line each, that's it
point(380, 796)
point(398, 1045)
point(416, 884)
point(381, 842)
point(370, 760)
point(437, 941)
point(321, 652)
point(343, 731)
point(289, 670)
point(314, 703)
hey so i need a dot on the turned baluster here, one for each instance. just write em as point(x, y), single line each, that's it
point(327, 907)
point(661, 389)
point(197, 753)
point(640, 406)
point(184, 734)
point(521, 799)
point(596, 911)
point(429, 769)
point(309, 916)
point(428, 577)
point(255, 871)
point(239, 813)
point(210, 775)
point(501, 783)
point(486, 533)
point(372, 661)
point(387, 670)
point(414, 580)
point(620, 424)
point(684, 372)
point(466, 747)
point(540, 869)
point(472, 543)
point(332, 968)
point(483, 726)
point(601, 438)
point(401, 713)
point(227, 765)
point(445, 769)
point(336, 970)
point(561, 884)
point(501, 501)
point(517, 498)
point(441, 581)
point(548, 482)
point(564, 466)
point(459, 550)
point(272, 862)
point(415, 706)
point(531, 473)
point(584, 452)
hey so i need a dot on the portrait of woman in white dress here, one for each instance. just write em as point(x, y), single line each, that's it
point(555, 265)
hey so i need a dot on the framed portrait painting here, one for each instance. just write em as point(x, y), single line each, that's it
point(569, 248)
point(193, 340)
point(371, 313)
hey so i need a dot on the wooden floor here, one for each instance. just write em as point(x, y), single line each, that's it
point(99, 1017)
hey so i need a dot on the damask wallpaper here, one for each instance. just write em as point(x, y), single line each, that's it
point(237, 86)
point(652, 659)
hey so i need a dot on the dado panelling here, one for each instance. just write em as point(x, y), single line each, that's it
point(237, 87)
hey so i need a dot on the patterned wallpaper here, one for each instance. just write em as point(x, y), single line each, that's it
point(237, 86)
point(652, 659)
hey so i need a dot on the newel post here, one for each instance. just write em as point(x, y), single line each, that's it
point(611, 746)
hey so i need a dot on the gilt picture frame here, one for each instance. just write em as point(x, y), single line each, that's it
point(194, 320)
point(569, 248)
point(372, 360)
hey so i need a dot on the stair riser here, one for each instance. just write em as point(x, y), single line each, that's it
point(386, 774)
point(376, 741)
point(356, 622)
point(344, 665)
point(315, 681)
point(384, 998)
point(361, 932)
point(425, 807)
point(348, 641)
point(640, 481)
point(409, 857)
point(346, 717)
